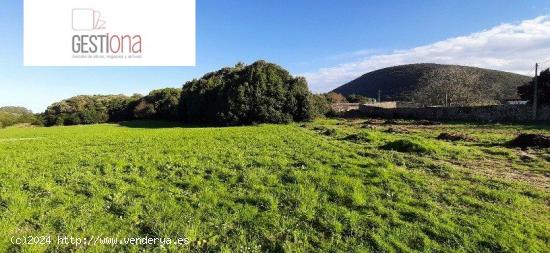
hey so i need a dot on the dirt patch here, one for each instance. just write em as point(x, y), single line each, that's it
point(456, 137)
point(408, 146)
point(527, 157)
point(325, 131)
point(427, 123)
point(372, 127)
point(391, 122)
point(409, 122)
point(360, 137)
point(397, 130)
point(530, 140)
point(371, 123)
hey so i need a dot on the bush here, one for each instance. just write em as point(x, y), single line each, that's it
point(246, 94)
point(319, 105)
point(333, 97)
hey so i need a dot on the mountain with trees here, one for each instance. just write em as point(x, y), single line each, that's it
point(403, 82)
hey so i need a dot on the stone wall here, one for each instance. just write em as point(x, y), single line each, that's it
point(496, 113)
point(344, 107)
point(390, 104)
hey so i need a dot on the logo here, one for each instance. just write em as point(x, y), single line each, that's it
point(109, 33)
point(100, 45)
point(87, 20)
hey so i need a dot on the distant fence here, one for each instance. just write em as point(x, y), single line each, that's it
point(496, 113)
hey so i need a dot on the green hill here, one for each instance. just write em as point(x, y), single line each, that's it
point(395, 82)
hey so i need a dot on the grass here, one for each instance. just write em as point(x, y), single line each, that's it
point(409, 146)
point(329, 185)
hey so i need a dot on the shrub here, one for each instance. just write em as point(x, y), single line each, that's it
point(319, 105)
point(333, 97)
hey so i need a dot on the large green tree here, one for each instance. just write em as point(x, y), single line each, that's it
point(526, 91)
point(258, 93)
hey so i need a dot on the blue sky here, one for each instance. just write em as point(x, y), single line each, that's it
point(330, 42)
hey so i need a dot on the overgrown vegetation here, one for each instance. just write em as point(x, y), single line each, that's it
point(13, 115)
point(322, 186)
point(245, 94)
point(90, 110)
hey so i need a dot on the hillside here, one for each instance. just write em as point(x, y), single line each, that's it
point(394, 82)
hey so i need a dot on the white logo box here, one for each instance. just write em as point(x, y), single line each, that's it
point(166, 29)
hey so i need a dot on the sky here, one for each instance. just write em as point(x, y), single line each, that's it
point(329, 42)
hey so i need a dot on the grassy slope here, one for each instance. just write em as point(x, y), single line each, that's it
point(294, 188)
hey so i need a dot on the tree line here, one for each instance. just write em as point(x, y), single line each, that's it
point(13, 115)
point(261, 92)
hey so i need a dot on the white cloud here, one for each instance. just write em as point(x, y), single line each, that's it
point(508, 47)
point(359, 53)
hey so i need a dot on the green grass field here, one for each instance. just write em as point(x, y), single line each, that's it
point(327, 186)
